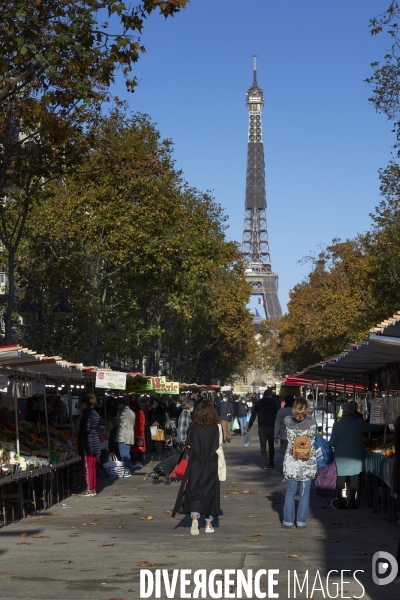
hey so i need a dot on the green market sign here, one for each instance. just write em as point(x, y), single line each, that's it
point(171, 387)
point(157, 385)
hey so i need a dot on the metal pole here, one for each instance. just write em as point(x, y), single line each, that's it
point(71, 426)
point(334, 404)
point(47, 418)
point(323, 409)
point(16, 415)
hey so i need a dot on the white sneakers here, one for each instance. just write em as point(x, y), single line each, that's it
point(194, 530)
point(209, 529)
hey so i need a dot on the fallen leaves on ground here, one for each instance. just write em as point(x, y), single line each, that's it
point(291, 556)
point(56, 514)
point(70, 562)
point(21, 543)
point(103, 545)
point(24, 534)
point(254, 516)
point(59, 543)
point(118, 575)
point(146, 563)
point(149, 518)
point(248, 492)
point(168, 512)
point(252, 541)
point(40, 536)
point(120, 527)
point(92, 523)
point(254, 535)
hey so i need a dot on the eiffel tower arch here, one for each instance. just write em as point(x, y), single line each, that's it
point(255, 245)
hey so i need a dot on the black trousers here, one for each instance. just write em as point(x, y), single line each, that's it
point(341, 480)
point(267, 434)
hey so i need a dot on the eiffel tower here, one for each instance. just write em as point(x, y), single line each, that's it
point(255, 246)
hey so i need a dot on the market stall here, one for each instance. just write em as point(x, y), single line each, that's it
point(369, 371)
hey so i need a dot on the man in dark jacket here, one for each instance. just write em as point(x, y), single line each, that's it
point(266, 410)
point(217, 402)
point(226, 418)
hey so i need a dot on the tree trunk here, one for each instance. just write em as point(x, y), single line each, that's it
point(8, 338)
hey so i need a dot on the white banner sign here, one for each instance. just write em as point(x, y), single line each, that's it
point(112, 380)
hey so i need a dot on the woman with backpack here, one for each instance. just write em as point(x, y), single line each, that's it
point(300, 463)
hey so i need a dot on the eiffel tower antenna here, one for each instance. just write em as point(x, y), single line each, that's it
point(255, 246)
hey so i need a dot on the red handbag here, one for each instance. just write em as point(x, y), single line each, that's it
point(180, 469)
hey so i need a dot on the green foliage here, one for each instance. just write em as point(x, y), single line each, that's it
point(57, 60)
point(138, 254)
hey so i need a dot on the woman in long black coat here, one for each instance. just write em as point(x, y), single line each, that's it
point(202, 492)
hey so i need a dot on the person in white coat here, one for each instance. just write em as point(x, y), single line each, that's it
point(125, 436)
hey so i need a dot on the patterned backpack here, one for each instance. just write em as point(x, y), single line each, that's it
point(302, 447)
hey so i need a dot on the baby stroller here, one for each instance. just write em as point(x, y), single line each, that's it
point(167, 465)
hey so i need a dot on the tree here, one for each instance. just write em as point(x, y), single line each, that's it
point(386, 76)
point(139, 254)
point(57, 60)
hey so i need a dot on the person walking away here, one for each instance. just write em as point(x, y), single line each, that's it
point(266, 410)
point(125, 438)
point(138, 450)
point(347, 440)
point(89, 442)
point(236, 406)
point(185, 420)
point(301, 431)
point(158, 416)
point(280, 427)
point(202, 491)
point(242, 416)
point(226, 418)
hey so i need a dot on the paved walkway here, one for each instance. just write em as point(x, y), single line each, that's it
point(94, 548)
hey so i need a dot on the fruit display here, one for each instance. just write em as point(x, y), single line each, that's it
point(33, 445)
point(378, 446)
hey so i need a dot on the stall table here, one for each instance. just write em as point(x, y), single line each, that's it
point(379, 471)
point(53, 483)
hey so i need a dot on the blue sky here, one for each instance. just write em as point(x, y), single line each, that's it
point(323, 140)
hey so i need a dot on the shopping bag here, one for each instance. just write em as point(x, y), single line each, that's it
point(159, 436)
point(246, 440)
point(114, 467)
point(323, 451)
point(235, 424)
point(325, 482)
point(180, 469)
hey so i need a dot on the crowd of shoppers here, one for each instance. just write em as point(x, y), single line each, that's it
point(203, 425)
